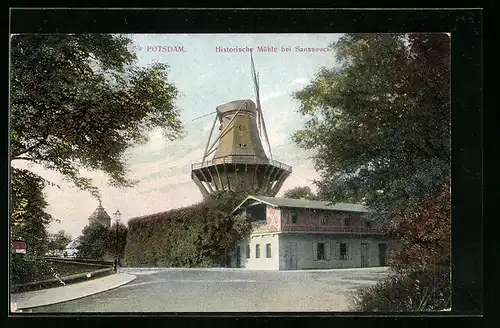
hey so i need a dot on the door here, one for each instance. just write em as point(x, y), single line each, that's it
point(238, 257)
point(290, 256)
point(364, 255)
point(382, 254)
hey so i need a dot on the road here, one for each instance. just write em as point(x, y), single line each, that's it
point(227, 290)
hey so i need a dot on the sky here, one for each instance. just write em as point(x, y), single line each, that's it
point(205, 78)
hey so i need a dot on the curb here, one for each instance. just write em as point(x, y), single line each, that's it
point(56, 282)
point(42, 304)
point(139, 269)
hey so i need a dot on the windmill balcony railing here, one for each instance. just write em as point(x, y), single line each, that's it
point(241, 159)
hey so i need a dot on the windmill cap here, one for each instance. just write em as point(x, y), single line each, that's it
point(242, 104)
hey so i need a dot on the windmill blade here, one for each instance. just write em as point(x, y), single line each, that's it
point(205, 154)
point(257, 95)
point(197, 118)
point(262, 124)
point(265, 134)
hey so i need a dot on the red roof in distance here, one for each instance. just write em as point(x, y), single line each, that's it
point(19, 245)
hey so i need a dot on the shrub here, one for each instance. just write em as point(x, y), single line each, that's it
point(25, 269)
point(409, 292)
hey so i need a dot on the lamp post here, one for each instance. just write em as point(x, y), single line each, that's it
point(118, 216)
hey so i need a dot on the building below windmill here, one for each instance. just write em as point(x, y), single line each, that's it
point(300, 234)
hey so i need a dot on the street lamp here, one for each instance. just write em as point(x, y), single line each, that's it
point(117, 216)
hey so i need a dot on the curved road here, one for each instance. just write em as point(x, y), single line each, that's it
point(227, 290)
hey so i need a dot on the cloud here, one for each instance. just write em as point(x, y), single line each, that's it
point(300, 80)
point(272, 95)
point(303, 174)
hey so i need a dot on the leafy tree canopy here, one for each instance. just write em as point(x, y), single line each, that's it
point(300, 192)
point(93, 241)
point(97, 240)
point(113, 238)
point(424, 236)
point(59, 240)
point(380, 120)
point(28, 217)
point(225, 201)
point(79, 101)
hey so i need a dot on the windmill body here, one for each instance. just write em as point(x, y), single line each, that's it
point(239, 162)
point(241, 135)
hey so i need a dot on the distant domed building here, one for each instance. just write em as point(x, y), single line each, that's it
point(99, 215)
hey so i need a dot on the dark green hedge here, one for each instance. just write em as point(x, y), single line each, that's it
point(25, 269)
point(201, 235)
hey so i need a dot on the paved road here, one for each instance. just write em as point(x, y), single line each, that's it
point(227, 290)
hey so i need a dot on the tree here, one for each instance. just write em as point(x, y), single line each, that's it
point(424, 236)
point(112, 239)
point(59, 240)
point(380, 121)
point(94, 241)
point(422, 275)
point(79, 101)
point(300, 192)
point(98, 240)
point(28, 217)
point(219, 233)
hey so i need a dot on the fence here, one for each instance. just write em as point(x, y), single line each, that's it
point(241, 159)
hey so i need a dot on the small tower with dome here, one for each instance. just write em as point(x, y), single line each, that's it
point(101, 216)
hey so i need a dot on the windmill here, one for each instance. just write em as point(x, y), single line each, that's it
point(239, 162)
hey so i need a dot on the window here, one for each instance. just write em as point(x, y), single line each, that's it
point(368, 224)
point(320, 251)
point(268, 251)
point(347, 221)
point(343, 251)
point(257, 251)
point(323, 220)
point(247, 251)
point(294, 218)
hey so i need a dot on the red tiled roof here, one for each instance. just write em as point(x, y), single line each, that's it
point(18, 245)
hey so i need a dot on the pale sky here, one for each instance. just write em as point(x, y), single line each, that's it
point(206, 79)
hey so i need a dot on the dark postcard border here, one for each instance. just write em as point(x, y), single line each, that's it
point(237, 21)
point(465, 27)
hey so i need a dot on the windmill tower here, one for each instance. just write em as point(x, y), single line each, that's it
point(239, 162)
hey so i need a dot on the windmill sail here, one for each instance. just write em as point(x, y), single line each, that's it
point(260, 119)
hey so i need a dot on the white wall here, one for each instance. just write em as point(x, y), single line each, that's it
point(261, 263)
point(306, 258)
